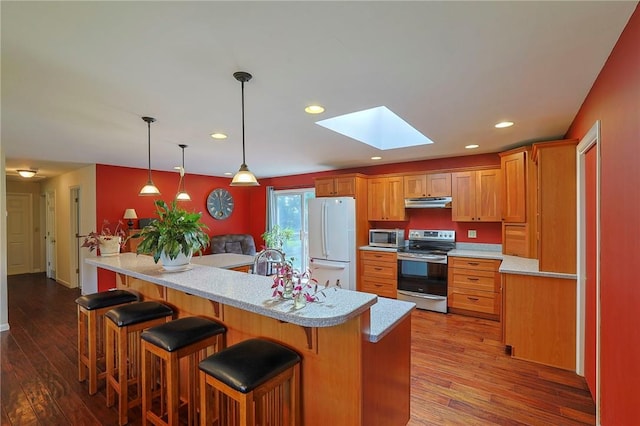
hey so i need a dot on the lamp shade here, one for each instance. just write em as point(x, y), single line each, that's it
point(130, 214)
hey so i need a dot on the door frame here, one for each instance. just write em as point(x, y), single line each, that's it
point(50, 235)
point(589, 141)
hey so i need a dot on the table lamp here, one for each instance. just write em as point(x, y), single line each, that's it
point(130, 214)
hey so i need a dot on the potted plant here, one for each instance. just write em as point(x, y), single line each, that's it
point(174, 236)
point(291, 283)
point(107, 241)
point(277, 236)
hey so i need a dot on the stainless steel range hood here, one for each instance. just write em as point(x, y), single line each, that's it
point(428, 203)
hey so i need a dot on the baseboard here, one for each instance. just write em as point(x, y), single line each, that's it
point(66, 284)
point(4, 327)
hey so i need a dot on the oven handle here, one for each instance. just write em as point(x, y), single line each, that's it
point(423, 296)
point(439, 260)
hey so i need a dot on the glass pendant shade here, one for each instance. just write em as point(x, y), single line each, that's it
point(182, 193)
point(244, 177)
point(149, 188)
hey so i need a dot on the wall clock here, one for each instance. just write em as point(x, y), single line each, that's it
point(220, 204)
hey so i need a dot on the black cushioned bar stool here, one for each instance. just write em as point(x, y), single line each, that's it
point(123, 327)
point(262, 377)
point(184, 337)
point(91, 310)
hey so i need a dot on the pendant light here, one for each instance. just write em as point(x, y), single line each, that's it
point(182, 193)
point(244, 177)
point(149, 188)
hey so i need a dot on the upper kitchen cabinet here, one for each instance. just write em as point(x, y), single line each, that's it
point(556, 164)
point(386, 199)
point(338, 186)
point(427, 185)
point(476, 196)
point(518, 203)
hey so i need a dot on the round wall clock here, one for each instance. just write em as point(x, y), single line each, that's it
point(220, 203)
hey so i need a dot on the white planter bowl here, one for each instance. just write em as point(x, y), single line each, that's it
point(109, 246)
point(179, 263)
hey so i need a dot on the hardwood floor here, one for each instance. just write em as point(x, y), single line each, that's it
point(460, 373)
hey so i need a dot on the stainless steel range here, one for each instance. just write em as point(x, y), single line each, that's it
point(422, 268)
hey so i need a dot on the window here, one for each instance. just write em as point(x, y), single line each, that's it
point(288, 209)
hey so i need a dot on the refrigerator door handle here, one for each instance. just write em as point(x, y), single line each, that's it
point(325, 227)
point(329, 265)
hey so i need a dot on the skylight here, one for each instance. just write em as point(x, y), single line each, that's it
point(378, 127)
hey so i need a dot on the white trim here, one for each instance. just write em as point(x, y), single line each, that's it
point(590, 140)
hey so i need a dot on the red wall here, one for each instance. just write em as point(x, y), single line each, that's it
point(117, 189)
point(614, 99)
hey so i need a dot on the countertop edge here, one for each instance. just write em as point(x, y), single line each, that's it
point(385, 315)
point(290, 316)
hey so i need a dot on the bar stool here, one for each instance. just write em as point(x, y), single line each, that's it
point(262, 377)
point(123, 350)
point(91, 310)
point(168, 343)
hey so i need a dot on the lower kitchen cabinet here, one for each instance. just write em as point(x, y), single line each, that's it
point(379, 273)
point(539, 321)
point(474, 287)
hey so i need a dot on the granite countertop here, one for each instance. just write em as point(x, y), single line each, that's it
point(224, 260)
point(385, 315)
point(524, 266)
point(373, 248)
point(253, 293)
point(480, 254)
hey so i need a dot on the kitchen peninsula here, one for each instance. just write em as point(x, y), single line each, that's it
point(344, 339)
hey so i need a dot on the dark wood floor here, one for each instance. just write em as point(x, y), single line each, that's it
point(460, 373)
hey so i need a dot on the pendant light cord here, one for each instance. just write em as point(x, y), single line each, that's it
point(242, 89)
point(149, 147)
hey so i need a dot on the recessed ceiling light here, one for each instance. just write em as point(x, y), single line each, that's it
point(376, 158)
point(472, 146)
point(228, 173)
point(503, 124)
point(314, 109)
point(218, 135)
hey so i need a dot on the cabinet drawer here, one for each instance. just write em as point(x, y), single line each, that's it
point(379, 270)
point(474, 280)
point(381, 287)
point(473, 263)
point(378, 256)
point(474, 301)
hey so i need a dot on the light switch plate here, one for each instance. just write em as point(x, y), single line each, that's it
point(471, 233)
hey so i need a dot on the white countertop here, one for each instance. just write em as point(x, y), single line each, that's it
point(524, 266)
point(224, 260)
point(480, 254)
point(253, 293)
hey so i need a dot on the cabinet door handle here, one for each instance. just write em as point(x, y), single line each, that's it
point(378, 269)
point(473, 263)
point(474, 299)
point(472, 279)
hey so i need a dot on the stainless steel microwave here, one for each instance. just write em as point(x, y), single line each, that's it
point(386, 237)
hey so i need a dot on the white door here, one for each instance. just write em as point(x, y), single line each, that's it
point(19, 233)
point(50, 199)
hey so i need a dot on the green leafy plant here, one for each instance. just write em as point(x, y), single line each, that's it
point(277, 236)
point(175, 231)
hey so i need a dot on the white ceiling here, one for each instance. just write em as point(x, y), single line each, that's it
point(77, 77)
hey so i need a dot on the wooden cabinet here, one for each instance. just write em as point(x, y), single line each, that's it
point(474, 287)
point(379, 273)
point(476, 196)
point(131, 244)
point(556, 220)
point(336, 186)
point(386, 198)
point(518, 203)
point(427, 185)
point(540, 319)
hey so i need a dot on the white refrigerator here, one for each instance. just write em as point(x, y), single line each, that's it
point(332, 243)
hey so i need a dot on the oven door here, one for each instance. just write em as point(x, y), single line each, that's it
point(420, 276)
